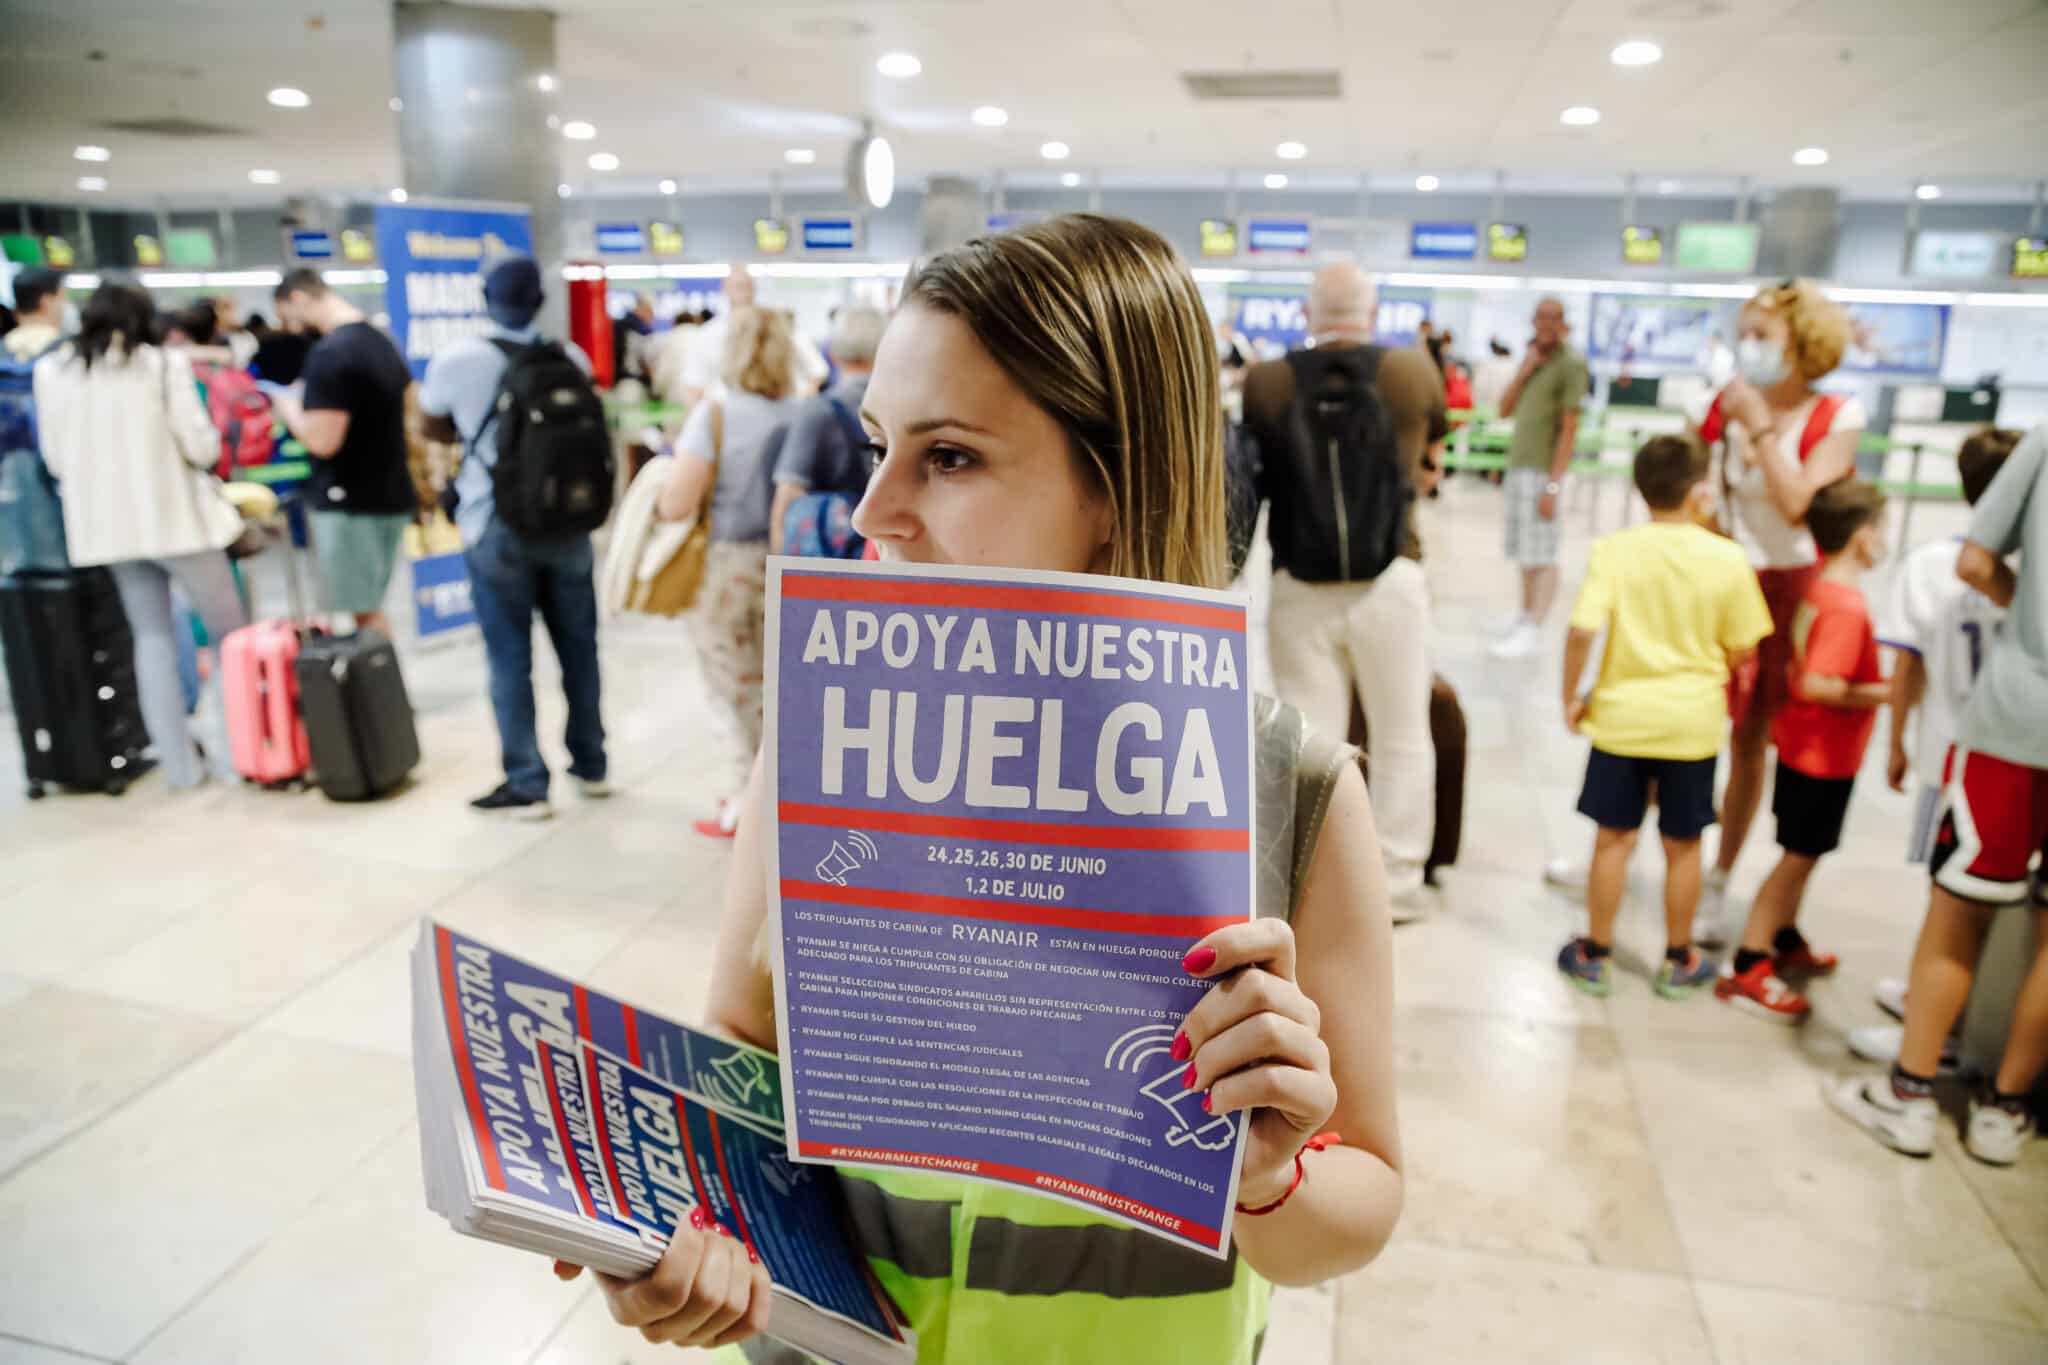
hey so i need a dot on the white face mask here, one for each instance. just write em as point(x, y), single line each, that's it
point(1762, 363)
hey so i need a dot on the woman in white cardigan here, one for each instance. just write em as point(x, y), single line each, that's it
point(130, 444)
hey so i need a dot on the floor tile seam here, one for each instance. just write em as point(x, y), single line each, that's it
point(42, 1345)
point(254, 1024)
point(1956, 1157)
point(1541, 1257)
point(1857, 1301)
point(562, 1323)
point(369, 1153)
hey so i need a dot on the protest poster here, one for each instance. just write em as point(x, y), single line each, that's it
point(1007, 804)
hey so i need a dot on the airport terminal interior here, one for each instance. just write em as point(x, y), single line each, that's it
point(1618, 221)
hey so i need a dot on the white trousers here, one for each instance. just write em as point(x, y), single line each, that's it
point(1326, 639)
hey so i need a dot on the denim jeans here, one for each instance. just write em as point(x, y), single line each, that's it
point(509, 579)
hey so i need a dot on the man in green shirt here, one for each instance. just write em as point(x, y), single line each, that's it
point(1544, 400)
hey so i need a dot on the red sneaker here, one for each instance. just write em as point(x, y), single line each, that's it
point(1760, 991)
point(723, 824)
point(1804, 961)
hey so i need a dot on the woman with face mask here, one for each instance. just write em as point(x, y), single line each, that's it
point(1781, 441)
point(1048, 399)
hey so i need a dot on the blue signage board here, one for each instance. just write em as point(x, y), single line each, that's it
point(621, 239)
point(1014, 218)
point(830, 234)
point(1897, 338)
point(1274, 317)
point(433, 263)
point(1443, 241)
point(440, 595)
point(310, 245)
point(1278, 236)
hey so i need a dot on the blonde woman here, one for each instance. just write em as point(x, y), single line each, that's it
point(726, 457)
point(1782, 442)
point(1048, 399)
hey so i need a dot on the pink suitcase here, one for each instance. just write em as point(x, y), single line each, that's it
point(266, 738)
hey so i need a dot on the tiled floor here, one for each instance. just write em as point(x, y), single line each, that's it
point(207, 1150)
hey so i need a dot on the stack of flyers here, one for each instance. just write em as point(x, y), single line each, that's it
point(556, 1119)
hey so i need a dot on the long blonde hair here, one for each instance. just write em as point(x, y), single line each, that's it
point(760, 352)
point(1099, 322)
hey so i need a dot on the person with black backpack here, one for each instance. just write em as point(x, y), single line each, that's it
point(536, 479)
point(1340, 429)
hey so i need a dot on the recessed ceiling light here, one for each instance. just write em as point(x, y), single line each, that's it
point(262, 177)
point(1055, 151)
point(561, 191)
point(876, 161)
point(1579, 116)
point(1810, 156)
point(1276, 181)
point(576, 130)
point(603, 161)
point(1667, 187)
point(1927, 192)
point(395, 105)
point(290, 97)
point(1290, 151)
point(88, 152)
point(901, 65)
point(546, 81)
point(667, 187)
point(989, 116)
point(1426, 183)
point(1071, 179)
point(800, 156)
point(1636, 52)
point(92, 184)
point(398, 194)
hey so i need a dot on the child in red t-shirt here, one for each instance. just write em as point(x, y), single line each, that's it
point(1820, 733)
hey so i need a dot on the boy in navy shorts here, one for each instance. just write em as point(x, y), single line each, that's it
point(1681, 609)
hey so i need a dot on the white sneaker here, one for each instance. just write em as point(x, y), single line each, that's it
point(1996, 1134)
point(593, 790)
point(1869, 1103)
point(1890, 996)
point(1410, 906)
point(1880, 1043)
point(1520, 643)
point(1710, 922)
point(1567, 874)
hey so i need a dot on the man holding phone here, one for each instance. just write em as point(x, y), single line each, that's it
point(1544, 400)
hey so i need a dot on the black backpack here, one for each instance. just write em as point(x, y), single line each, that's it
point(555, 468)
point(1340, 495)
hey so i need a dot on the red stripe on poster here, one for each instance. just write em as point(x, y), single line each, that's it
point(632, 1036)
point(465, 1069)
point(1068, 601)
point(582, 1012)
point(1010, 912)
point(1019, 1175)
point(547, 1077)
point(1058, 835)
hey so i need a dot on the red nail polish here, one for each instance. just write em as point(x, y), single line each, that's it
point(719, 1228)
point(697, 1218)
point(1187, 1079)
point(754, 1256)
point(1199, 960)
point(1205, 1103)
point(1181, 1049)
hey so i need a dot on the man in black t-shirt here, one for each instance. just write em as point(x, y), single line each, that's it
point(350, 416)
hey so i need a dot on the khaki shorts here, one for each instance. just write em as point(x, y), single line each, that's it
point(356, 552)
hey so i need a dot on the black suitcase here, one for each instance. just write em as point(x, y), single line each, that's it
point(71, 673)
point(358, 718)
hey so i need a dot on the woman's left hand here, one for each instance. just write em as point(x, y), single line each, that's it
point(1255, 1044)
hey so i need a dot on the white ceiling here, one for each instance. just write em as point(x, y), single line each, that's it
point(1898, 90)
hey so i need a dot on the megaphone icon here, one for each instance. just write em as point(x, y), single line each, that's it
point(840, 861)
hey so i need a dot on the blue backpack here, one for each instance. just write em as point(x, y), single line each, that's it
point(820, 525)
point(31, 515)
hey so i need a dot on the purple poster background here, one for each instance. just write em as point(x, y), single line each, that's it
point(980, 918)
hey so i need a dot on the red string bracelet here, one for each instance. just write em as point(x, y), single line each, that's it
point(1314, 1144)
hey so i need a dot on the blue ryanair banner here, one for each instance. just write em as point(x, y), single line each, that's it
point(440, 595)
point(433, 258)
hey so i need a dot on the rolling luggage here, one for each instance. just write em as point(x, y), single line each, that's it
point(259, 683)
point(1447, 732)
point(358, 718)
point(71, 672)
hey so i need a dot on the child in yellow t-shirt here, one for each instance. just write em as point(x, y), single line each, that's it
point(1681, 608)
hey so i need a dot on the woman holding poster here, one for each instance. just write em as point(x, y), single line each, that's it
point(1048, 399)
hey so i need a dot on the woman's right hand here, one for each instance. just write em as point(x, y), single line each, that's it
point(707, 1290)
